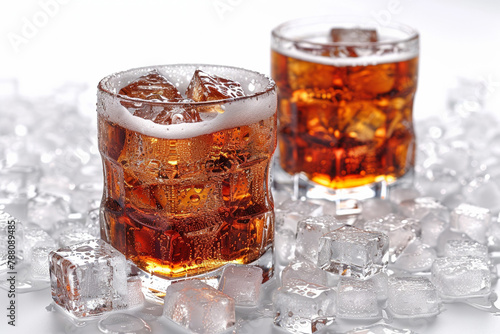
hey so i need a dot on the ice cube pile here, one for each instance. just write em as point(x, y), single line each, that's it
point(442, 231)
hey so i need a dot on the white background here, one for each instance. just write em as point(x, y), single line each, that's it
point(45, 43)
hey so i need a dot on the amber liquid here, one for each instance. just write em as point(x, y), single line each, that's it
point(345, 126)
point(184, 207)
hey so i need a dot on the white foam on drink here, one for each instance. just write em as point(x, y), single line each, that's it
point(259, 102)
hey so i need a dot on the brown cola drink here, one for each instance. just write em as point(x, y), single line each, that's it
point(187, 174)
point(346, 95)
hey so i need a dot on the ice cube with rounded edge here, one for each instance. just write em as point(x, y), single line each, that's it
point(210, 87)
point(304, 271)
point(412, 297)
point(379, 329)
point(88, 279)
point(374, 208)
point(152, 86)
point(199, 307)
point(357, 299)
point(156, 88)
point(349, 251)
point(461, 277)
point(35, 236)
point(357, 35)
point(46, 209)
point(309, 230)
point(135, 296)
point(417, 257)
point(291, 211)
point(419, 207)
point(303, 307)
point(284, 246)
point(39, 268)
point(400, 230)
point(447, 235)
point(432, 226)
point(465, 248)
point(242, 283)
point(471, 220)
point(398, 195)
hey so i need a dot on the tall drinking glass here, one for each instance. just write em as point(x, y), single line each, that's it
point(346, 91)
point(187, 184)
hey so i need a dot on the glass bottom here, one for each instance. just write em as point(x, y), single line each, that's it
point(154, 287)
point(347, 200)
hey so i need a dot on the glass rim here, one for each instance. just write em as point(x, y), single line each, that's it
point(338, 21)
point(105, 85)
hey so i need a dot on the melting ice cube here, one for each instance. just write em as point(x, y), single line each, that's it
point(357, 299)
point(304, 307)
point(412, 297)
point(89, 278)
point(242, 283)
point(199, 307)
point(152, 86)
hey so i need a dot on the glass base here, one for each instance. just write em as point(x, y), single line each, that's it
point(347, 201)
point(154, 287)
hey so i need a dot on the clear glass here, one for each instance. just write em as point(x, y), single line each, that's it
point(183, 200)
point(346, 91)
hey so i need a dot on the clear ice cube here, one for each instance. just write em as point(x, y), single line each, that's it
point(199, 307)
point(304, 307)
point(290, 212)
point(349, 251)
point(209, 87)
point(46, 209)
point(35, 236)
point(357, 299)
point(419, 207)
point(432, 226)
point(242, 283)
point(303, 271)
point(471, 220)
point(400, 230)
point(417, 257)
point(40, 263)
point(375, 208)
point(461, 277)
point(309, 230)
point(465, 248)
point(89, 278)
point(412, 297)
point(152, 86)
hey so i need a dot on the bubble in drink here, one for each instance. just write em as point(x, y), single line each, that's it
point(185, 198)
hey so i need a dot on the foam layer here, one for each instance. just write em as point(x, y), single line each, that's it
point(258, 104)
